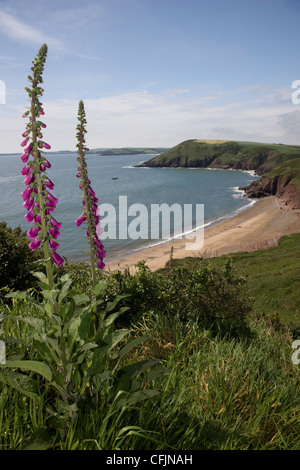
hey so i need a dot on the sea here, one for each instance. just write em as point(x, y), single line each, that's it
point(121, 185)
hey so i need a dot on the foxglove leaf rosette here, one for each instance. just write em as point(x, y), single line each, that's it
point(38, 201)
point(89, 200)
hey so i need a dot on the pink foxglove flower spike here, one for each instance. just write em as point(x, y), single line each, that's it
point(37, 199)
point(89, 201)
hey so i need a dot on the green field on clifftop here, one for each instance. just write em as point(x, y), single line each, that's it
point(290, 168)
point(261, 157)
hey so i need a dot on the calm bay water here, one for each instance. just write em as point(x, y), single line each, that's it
point(216, 189)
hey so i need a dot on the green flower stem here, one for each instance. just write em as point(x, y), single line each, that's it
point(41, 202)
point(87, 210)
point(85, 188)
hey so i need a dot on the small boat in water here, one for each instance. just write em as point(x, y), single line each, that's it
point(114, 177)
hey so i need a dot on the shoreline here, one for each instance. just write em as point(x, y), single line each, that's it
point(259, 226)
point(160, 243)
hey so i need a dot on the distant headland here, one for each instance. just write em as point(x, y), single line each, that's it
point(130, 151)
point(277, 164)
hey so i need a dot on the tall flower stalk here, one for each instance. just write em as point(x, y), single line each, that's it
point(37, 198)
point(89, 200)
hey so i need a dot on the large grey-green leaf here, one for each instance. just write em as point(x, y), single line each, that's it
point(154, 373)
point(99, 360)
point(51, 295)
point(66, 407)
point(64, 290)
point(81, 299)
point(85, 323)
point(140, 395)
point(40, 440)
point(110, 319)
point(117, 336)
point(17, 295)
point(24, 384)
point(67, 311)
point(32, 366)
point(65, 278)
point(79, 326)
point(42, 277)
point(126, 375)
point(123, 399)
point(111, 305)
point(132, 344)
point(100, 288)
point(37, 323)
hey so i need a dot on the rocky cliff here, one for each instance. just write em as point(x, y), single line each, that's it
point(281, 186)
point(277, 164)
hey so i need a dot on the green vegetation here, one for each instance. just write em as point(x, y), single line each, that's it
point(129, 151)
point(208, 295)
point(16, 259)
point(226, 154)
point(193, 356)
point(272, 278)
point(279, 164)
point(289, 169)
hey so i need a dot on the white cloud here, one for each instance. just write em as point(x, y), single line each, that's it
point(20, 31)
point(75, 18)
point(140, 118)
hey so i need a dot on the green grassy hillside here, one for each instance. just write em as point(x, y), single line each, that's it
point(283, 181)
point(130, 151)
point(226, 154)
point(224, 373)
point(272, 277)
point(289, 169)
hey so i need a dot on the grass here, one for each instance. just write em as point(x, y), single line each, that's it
point(272, 277)
point(129, 151)
point(220, 394)
point(290, 169)
point(223, 391)
point(227, 154)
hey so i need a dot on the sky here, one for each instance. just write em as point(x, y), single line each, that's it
point(153, 73)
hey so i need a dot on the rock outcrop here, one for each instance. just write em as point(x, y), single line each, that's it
point(277, 165)
point(280, 186)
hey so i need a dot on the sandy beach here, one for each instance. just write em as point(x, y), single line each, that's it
point(257, 227)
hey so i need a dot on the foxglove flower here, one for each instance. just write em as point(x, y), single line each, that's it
point(80, 220)
point(48, 183)
point(57, 259)
point(37, 199)
point(89, 200)
point(33, 232)
point(25, 170)
point(34, 244)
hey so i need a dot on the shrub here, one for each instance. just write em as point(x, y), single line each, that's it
point(203, 293)
point(76, 358)
point(16, 259)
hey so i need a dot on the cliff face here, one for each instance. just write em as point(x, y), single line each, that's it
point(227, 154)
point(280, 186)
point(277, 164)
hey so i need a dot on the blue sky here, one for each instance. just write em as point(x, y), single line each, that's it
point(153, 72)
